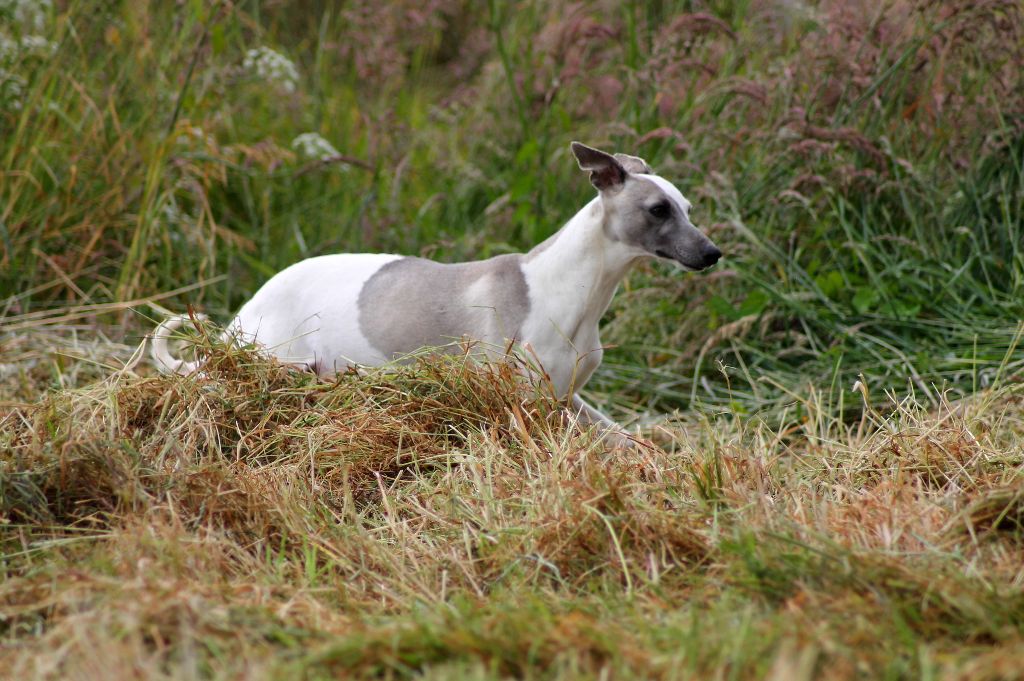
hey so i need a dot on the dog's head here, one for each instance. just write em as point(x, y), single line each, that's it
point(644, 212)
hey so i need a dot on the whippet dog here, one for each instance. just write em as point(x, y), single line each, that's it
point(334, 311)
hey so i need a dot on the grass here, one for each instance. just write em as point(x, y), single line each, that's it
point(442, 519)
point(862, 170)
point(861, 166)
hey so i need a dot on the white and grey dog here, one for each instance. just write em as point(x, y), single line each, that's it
point(334, 311)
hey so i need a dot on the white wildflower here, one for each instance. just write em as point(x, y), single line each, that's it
point(9, 49)
point(38, 44)
point(12, 91)
point(27, 15)
point(312, 145)
point(172, 214)
point(178, 224)
point(194, 136)
point(272, 66)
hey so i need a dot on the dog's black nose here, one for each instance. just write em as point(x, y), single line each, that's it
point(711, 256)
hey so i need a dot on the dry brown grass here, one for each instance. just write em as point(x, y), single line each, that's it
point(442, 518)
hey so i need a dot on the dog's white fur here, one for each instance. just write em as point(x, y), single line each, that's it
point(314, 313)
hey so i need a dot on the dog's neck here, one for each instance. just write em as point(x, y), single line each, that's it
point(579, 268)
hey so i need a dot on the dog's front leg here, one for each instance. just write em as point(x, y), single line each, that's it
point(591, 416)
point(614, 433)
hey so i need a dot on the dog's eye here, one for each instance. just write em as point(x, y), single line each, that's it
point(659, 210)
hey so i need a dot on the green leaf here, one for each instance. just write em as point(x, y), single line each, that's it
point(723, 308)
point(527, 153)
point(218, 41)
point(754, 303)
point(831, 284)
point(865, 300)
point(903, 308)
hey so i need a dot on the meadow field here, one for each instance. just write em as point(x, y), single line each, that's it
point(831, 477)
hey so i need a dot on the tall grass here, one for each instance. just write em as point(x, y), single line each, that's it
point(861, 167)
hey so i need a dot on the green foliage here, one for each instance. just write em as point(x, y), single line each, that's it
point(863, 170)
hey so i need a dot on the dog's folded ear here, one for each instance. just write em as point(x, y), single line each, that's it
point(634, 164)
point(606, 172)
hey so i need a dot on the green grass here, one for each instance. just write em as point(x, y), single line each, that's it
point(862, 168)
point(867, 190)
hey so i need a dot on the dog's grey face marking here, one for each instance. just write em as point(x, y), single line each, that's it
point(645, 211)
point(412, 303)
point(649, 213)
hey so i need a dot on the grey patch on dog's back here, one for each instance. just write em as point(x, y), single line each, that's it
point(413, 303)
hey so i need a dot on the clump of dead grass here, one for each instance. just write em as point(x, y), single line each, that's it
point(443, 515)
point(116, 443)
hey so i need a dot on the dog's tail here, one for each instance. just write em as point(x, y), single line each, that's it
point(165, 362)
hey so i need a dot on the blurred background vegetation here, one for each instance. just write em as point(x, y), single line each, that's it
point(860, 163)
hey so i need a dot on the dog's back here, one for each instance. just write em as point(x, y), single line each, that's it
point(412, 303)
point(307, 314)
point(334, 311)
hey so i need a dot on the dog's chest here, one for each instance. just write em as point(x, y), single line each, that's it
point(564, 340)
